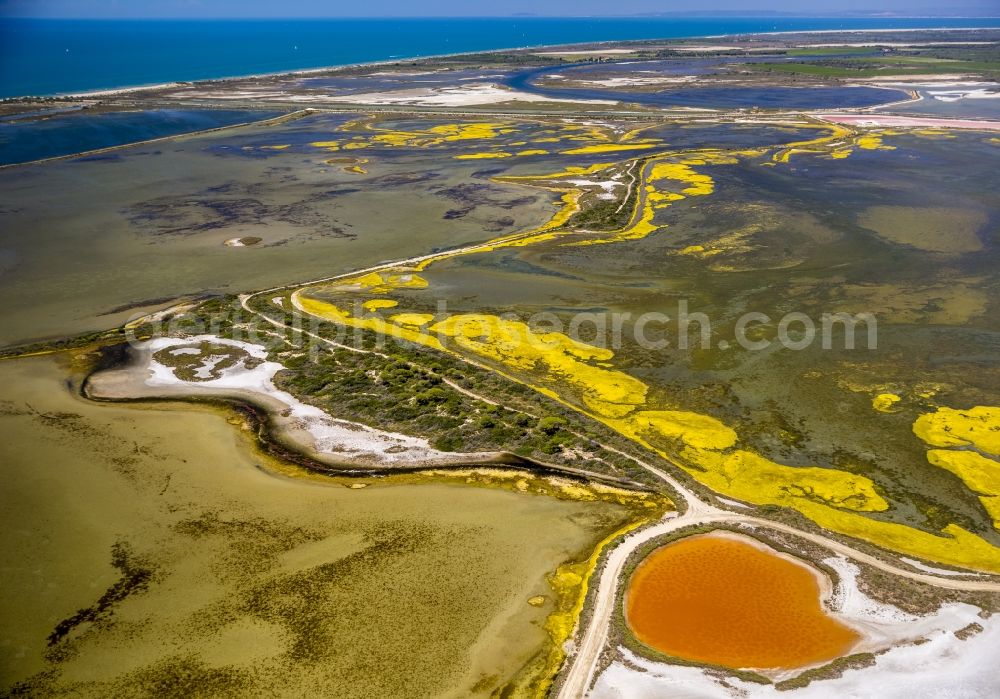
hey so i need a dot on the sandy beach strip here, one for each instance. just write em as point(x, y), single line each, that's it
point(469, 94)
point(880, 120)
point(584, 52)
point(322, 437)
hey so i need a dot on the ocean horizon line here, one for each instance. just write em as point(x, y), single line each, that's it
point(151, 74)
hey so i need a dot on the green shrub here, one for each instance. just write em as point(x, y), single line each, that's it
point(431, 396)
point(550, 424)
point(448, 442)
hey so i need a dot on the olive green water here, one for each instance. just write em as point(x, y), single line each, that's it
point(81, 239)
point(236, 581)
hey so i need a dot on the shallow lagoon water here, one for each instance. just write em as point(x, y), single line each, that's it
point(241, 581)
point(770, 97)
point(66, 134)
point(81, 239)
point(954, 106)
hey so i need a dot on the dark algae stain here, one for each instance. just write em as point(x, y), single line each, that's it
point(136, 576)
point(186, 676)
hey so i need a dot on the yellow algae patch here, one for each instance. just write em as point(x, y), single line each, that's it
point(380, 283)
point(435, 135)
point(953, 546)
point(872, 141)
point(980, 475)
point(473, 131)
point(753, 478)
point(322, 309)
point(570, 205)
point(328, 145)
point(571, 171)
point(537, 600)
point(786, 155)
point(329, 311)
point(613, 396)
point(939, 133)
point(376, 304)
point(569, 586)
point(573, 490)
point(533, 151)
point(414, 319)
point(935, 229)
point(835, 500)
point(582, 170)
point(699, 431)
point(483, 156)
point(698, 184)
point(736, 241)
point(609, 148)
point(553, 356)
point(692, 250)
point(821, 145)
point(884, 402)
point(352, 165)
point(978, 427)
point(516, 332)
point(401, 138)
point(279, 147)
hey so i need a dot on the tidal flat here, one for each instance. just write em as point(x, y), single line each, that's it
point(153, 550)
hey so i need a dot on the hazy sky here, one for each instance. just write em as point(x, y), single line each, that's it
point(452, 8)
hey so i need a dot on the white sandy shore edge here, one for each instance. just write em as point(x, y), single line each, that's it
point(111, 91)
point(924, 658)
point(877, 119)
point(401, 59)
point(942, 667)
point(902, 44)
point(937, 571)
point(325, 438)
point(629, 82)
point(584, 52)
point(453, 96)
point(863, 31)
point(956, 93)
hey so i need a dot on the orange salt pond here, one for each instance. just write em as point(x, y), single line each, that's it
point(727, 600)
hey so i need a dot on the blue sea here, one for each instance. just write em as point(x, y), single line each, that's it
point(45, 57)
